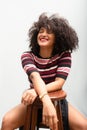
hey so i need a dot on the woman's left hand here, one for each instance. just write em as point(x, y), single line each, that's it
point(28, 97)
point(49, 115)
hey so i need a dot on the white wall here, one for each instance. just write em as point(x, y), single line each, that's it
point(16, 16)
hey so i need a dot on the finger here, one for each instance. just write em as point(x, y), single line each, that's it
point(47, 121)
point(55, 123)
point(25, 99)
point(51, 123)
point(30, 100)
point(43, 119)
point(24, 96)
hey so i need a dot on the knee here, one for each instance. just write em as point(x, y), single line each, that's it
point(6, 122)
point(84, 125)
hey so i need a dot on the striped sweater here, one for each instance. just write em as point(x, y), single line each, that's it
point(49, 69)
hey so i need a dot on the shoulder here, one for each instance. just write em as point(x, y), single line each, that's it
point(65, 54)
point(27, 54)
point(62, 55)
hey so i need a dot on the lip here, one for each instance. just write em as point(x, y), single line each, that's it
point(43, 39)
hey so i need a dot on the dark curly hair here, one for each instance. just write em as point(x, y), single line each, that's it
point(65, 36)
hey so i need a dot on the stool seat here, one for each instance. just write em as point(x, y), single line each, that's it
point(31, 122)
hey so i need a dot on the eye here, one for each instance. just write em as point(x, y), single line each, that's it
point(41, 30)
point(49, 31)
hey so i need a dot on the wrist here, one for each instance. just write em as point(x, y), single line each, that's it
point(45, 98)
point(43, 95)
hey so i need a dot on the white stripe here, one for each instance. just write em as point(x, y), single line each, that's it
point(51, 68)
point(63, 69)
point(48, 76)
point(26, 67)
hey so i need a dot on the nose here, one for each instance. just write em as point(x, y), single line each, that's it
point(44, 33)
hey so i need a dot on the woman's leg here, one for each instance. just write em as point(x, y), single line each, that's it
point(76, 120)
point(14, 118)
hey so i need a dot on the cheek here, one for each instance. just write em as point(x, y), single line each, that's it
point(37, 38)
point(53, 40)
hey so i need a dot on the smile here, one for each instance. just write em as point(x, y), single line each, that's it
point(43, 39)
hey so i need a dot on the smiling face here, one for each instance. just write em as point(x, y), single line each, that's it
point(45, 38)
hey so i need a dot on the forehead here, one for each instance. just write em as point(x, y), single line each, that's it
point(47, 28)
point(45, 24)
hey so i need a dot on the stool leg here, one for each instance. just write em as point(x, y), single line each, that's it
point(27, 125)
point(59, 115)
point(21, 128)
point(34, 118)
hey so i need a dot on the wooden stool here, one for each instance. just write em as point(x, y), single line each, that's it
point(31, 122)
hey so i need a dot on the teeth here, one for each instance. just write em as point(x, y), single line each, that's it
point(43, 38)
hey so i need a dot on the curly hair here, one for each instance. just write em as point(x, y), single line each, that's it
point(66, 38)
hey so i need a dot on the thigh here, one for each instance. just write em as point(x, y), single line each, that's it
point(16, 115)
point(76, 119)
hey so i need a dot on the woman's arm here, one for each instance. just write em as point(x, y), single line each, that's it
point(40, 87)
point(29, 95)
point(56, 85)
point(49, 112)
point(38, 83)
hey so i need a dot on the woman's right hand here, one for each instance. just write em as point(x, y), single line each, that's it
point(28, 96)
point(49, 116)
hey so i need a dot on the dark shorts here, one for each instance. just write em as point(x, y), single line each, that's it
point(64, 109)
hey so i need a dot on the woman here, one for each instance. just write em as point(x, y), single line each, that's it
point(47, 65)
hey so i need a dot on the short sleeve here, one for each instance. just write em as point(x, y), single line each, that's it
point(27, 62)
point(64, 65)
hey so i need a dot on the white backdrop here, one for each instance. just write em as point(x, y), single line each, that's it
point(16, 16)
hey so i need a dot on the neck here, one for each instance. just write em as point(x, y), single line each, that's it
point(45, 53)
